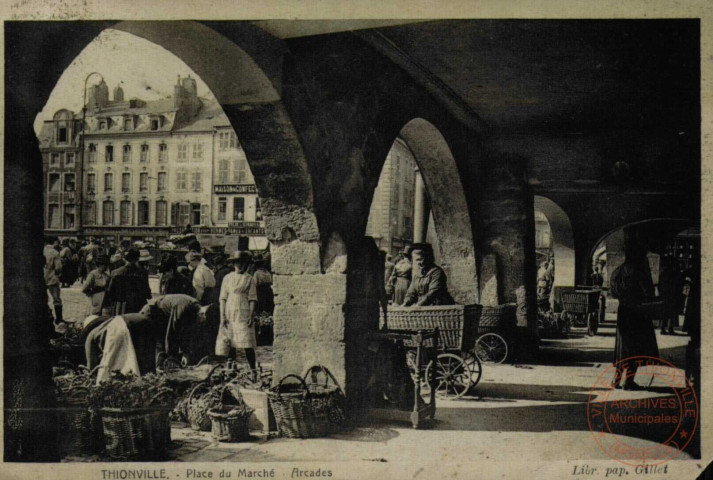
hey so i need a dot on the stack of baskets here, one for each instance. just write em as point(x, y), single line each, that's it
point(307, 409)
point(79, 429)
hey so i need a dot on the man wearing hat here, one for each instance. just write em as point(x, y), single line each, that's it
point(95, 285)
point(400, 277)
point(171, 281)
point(430, 287)
point(238, 302)
point(128, 288)
point(203, 279)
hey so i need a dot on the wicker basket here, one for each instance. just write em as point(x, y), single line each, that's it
point(80, 430)
point(294, 410)
point(197, 408)
point(456, 323)
point(326, 395)
point(497, 317)
point(229, 424)
point(137, 433)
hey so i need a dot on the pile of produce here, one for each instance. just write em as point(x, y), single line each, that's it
point(128, 391)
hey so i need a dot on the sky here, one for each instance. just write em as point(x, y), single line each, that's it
point(146, 70)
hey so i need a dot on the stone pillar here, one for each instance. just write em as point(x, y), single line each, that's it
point(421, 210)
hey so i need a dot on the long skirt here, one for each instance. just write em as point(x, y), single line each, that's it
point(635, 336)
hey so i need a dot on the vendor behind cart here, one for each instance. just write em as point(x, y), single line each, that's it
point(430, 283)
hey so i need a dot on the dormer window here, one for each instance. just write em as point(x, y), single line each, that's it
point(155, 123)
point(62, 135)
point(128, 124)
point(102, 125)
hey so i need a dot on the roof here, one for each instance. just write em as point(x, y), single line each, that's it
point(209, 117)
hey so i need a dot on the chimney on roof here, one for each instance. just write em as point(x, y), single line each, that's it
point(98, 96)
point(118, 94)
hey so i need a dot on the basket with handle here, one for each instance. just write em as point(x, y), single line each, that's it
point(80, 430)
point(229, 423)
point(137, 433)
point(292, 404)
point(326, 395)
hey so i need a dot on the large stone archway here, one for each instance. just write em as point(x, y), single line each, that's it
point(448, 204)
point(562, 241)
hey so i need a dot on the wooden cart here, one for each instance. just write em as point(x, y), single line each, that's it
point(580, 309)
point(456, 369)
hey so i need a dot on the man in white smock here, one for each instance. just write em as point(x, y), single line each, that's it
point(238, 299)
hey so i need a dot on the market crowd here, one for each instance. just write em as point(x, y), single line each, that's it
point(202, 308)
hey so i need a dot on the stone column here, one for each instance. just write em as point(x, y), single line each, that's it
point(421, 210)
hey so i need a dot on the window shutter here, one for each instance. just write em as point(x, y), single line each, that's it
point(174, 214)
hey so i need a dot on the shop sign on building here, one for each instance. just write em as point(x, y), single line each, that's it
point(252, 230)
point(242, 188)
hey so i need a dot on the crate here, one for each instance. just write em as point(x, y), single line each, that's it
point(456, 323)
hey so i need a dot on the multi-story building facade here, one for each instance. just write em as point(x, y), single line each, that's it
point(149, 167)
point(61, 171)
point(391, 216)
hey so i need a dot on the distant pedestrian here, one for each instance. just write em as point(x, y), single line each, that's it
point(96, 284)
point(172, 282)
point(263, 283)
point(128, 288)
point(670, 287)
point(52, 271)
point(401, 277)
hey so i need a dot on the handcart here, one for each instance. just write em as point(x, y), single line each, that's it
point(494, 333)
point(456, 369)
point(580, 309)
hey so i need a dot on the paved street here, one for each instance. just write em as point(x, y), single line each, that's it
point(510, 415)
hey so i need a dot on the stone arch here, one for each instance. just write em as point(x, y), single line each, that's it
point(562, 240)
point(448, 205)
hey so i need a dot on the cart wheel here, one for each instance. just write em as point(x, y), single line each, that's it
point(491, 348)
point(473, 363)
point(452, 376)
point(592, 324)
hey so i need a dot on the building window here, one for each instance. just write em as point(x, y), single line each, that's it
point(91, 182)
point(108, 182)
point(108, 213)
point(227, 140)
point(196, 214)
point(222, 208)
point(125, 182)
point(197, 151)
point(109, 154)
point(258, 209)
point(143, 212)
point(127, 153)
point(143, 182)
point(161, 207)
point(182, 152)
point(180, 214)
point(144, 153)
point(238, 209)
point(68, 182)
point(53, 184)
point(54, 160)
point(161, 183)
point(69, 160)
point(125, 212)
point(155, 123)
point(68, 215)
point(240, 172)
point(92, 153)
point(90, 214)
point(53, 215)
point(102, 125)
point(196, 182)
point(162, 152)
point(181, 181)
point(234, 140)
point(128, 124)
point(223, 171)
point(62, 135)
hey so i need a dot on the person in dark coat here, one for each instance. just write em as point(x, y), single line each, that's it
point(631, 284)
point(128, 288)
point(171, 281)
point(263, 283)
point(430, 287)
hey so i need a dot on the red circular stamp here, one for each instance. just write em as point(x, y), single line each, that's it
point(647, 427)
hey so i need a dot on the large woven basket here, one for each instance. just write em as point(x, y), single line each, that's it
point(326, 395)
point(456, 323)
point(497, 317)
point(137, 433)
point(297, 413)
point(80, 431)
point(228, 422)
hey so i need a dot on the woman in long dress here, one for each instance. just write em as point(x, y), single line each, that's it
point(238, 302)
point(631, 284)
point(95, 285)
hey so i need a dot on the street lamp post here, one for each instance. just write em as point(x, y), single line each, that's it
point(81, 153)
